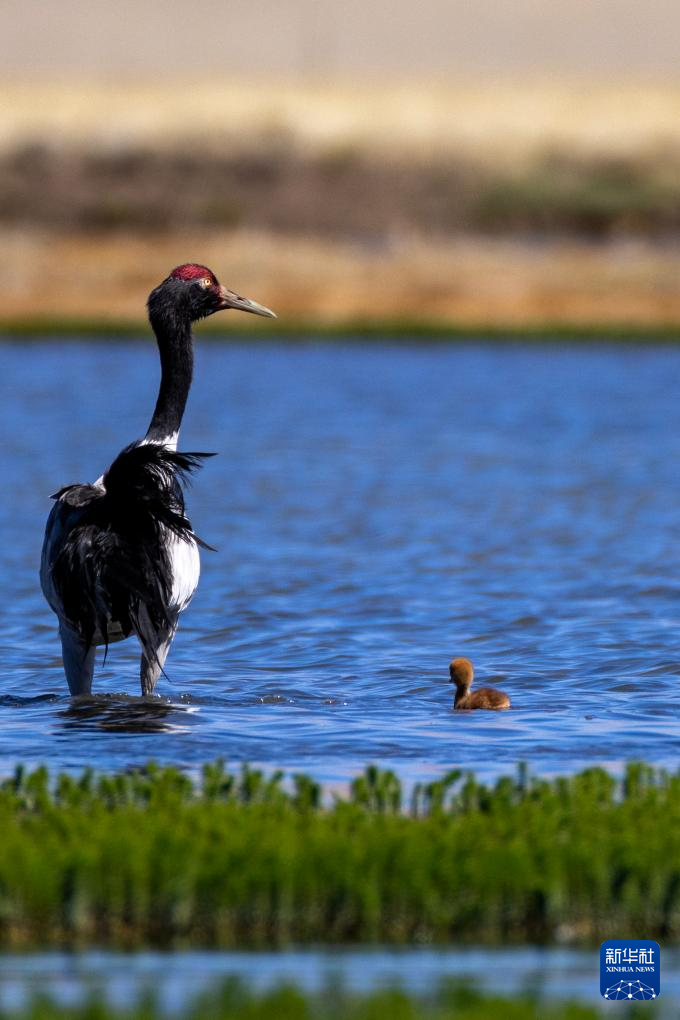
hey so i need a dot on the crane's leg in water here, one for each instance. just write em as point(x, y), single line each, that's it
point(78, 661)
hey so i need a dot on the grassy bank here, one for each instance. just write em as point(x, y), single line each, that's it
point(242, 860)
point(234, 1002)
point(351, 330)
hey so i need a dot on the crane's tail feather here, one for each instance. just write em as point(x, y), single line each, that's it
point(114, 564)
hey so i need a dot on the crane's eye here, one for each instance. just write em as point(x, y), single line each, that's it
point(206, 282)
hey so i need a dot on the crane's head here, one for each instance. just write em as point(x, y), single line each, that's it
point(193, 290)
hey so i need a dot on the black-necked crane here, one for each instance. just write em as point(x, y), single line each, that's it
point(120, 556)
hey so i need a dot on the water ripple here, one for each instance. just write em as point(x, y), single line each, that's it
point(377, 510)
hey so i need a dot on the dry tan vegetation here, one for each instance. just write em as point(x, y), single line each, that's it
point(494, 283)
point(321, 274)
point(498, 117)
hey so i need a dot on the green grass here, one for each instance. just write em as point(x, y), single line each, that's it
point(350, 330)
point(150, 858)
point(234, 1002)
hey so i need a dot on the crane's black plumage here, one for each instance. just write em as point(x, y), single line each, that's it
point(120, 555)
point(115, 559)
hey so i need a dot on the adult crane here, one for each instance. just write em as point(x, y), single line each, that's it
point(120, 556)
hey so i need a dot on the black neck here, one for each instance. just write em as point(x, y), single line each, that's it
point(175, 346)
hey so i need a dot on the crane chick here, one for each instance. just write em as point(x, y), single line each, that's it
point(462, 673)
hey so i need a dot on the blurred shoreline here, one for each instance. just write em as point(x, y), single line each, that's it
point(462, 285)
point(428, 208)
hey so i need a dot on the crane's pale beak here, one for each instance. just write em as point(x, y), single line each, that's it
point(229, 299)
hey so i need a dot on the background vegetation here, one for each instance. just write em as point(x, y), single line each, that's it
point(343, 192)
point(514, 204)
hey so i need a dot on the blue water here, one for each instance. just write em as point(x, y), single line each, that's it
point(377, 510)
point(176, 979)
